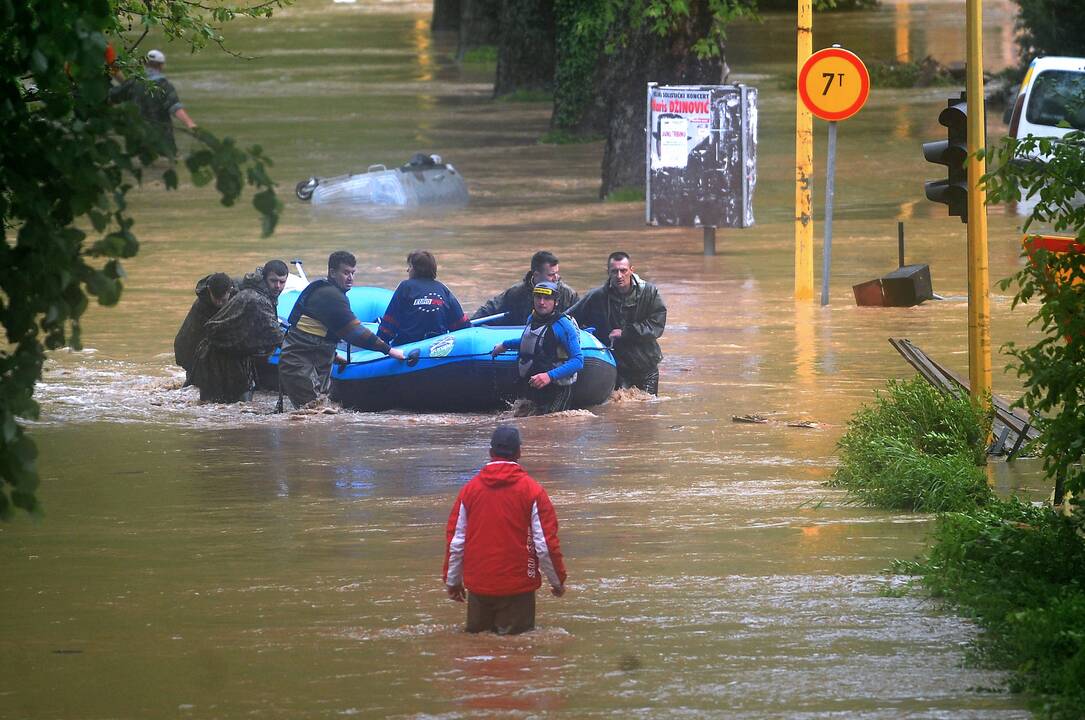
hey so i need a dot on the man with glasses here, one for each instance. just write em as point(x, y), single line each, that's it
point(628, 316)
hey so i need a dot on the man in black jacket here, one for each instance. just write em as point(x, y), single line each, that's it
point(212, 292)
point(320, 319)
point(245, 330)
point(516, 302)
point(629, 316)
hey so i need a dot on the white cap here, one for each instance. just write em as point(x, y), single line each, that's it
point(156, 56)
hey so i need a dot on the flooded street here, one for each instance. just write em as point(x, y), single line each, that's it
point(220, 562)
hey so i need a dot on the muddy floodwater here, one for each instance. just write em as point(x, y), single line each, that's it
point(225, 562)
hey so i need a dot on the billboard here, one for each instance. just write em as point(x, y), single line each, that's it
point(701, 155)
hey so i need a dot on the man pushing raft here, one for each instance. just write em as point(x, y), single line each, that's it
point(320, 319)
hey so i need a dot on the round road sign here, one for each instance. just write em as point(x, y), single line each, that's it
point(834, 83)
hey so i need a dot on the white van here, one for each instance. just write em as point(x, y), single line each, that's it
point(1051, 102)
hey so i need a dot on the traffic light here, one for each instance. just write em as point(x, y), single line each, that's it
point(952, 153)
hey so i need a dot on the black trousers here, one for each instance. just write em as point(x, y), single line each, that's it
point(550, 399)
point(648, 382)
point(501, 614)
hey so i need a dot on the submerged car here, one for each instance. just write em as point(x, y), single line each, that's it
point(424, 180)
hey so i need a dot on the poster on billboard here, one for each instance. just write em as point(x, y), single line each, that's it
point(701, 155)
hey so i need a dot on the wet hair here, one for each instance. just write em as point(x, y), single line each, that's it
point(341, 257)
point(617, 255)
point(541, 259)
point(219, 284)
point(423, 264)
point(275, 267)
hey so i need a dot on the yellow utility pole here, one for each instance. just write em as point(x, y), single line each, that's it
point(804, 165)
point(979, 290)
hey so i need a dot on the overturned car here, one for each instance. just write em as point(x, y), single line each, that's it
point(425, 180)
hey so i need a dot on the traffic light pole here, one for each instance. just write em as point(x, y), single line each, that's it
point(979, 291)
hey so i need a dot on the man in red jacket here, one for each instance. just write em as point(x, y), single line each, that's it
point(502, 537)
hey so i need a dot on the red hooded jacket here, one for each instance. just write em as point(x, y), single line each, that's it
point(502, 534)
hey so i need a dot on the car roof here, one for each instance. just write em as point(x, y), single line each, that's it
point(1058, 62)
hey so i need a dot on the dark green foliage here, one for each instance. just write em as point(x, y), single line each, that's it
point(481, 55)
point(68, 161)
point(588, 29)
point(1019, 571)
point(1050, 27)
point(819, 5)
point(564, 137)
point(527, 96)
point(1053, 368)
point(927, 72)
point(626, 194)
point(915, 449)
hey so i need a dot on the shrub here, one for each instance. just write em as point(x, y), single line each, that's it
point(916, 449)
point(1019, 571)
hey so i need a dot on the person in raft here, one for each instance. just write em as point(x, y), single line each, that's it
point(550, 355)
point(486, 557)
point(421, 307)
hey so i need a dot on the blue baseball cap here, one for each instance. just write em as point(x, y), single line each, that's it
point(546, 288)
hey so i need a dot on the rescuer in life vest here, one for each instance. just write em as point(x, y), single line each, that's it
point(549, 356)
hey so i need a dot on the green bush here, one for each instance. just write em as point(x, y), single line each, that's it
point(915, 449)
point(1019, 571)
point(1050, 27)
point(481, 55)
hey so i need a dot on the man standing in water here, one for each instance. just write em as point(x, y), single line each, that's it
point(245, 330)
point(212, 292)
point(516, 302)
point(485, 552)
point(550, 355)
point(629, 316)
point(155, 97)
point(320, 319)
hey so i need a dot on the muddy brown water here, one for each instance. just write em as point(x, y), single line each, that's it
point(213, 562)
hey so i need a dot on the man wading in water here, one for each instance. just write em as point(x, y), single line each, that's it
point(485, 550)
point(550, 355)
point(212, 292)
point(629, 316)
point(320, 319)
point(245, 330)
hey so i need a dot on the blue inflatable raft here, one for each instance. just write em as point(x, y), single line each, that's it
point(452, 372)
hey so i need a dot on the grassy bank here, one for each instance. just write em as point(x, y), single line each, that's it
point(1018, 570)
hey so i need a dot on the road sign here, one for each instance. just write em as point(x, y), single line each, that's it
point(834, 84)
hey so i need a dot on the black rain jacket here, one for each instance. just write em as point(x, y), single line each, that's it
point(637, 350)
point(517, 302)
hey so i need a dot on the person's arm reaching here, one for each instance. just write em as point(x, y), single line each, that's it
point(356, 334)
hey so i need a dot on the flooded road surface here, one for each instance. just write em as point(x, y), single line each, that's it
point(212, 562)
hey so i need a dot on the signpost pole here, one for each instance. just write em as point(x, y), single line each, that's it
point(979, 292)
point(830, 189)
point(709, 241)
point(804, 164)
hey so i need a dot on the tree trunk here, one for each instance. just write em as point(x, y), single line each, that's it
point(479, 24)
point(525, 56)
point(646, 57)
point(446, 15)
